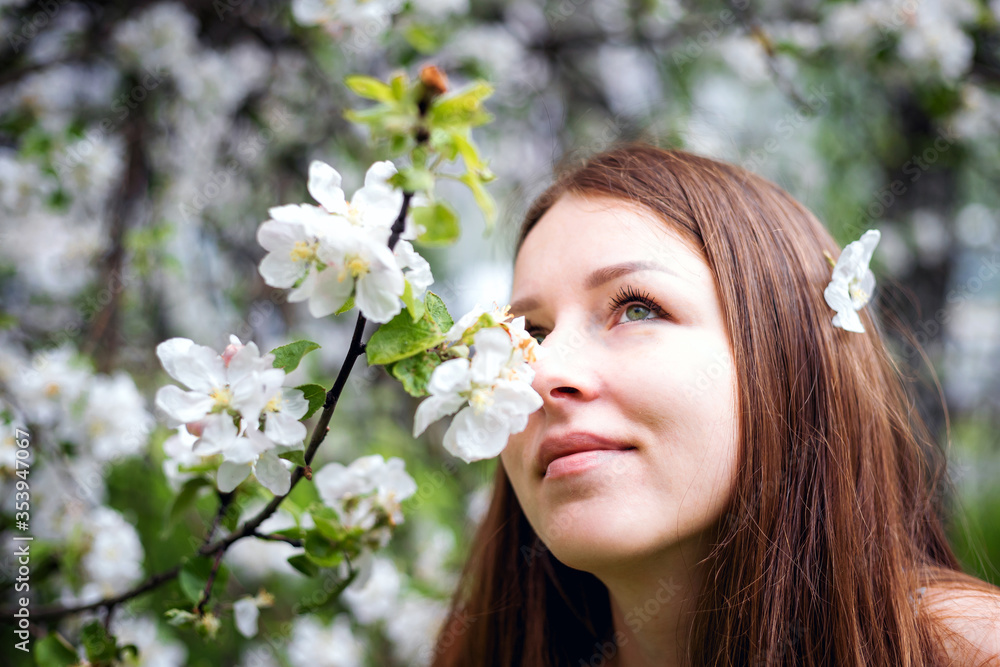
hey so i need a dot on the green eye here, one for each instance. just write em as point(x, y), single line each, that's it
point(538, 336)
point(637, 311)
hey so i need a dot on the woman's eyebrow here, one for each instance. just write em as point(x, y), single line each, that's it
point(603, 275)
point(598, 277)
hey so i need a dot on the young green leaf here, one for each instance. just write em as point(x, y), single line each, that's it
point(289, 356)
point(401, 337)
point(100, 646)
point(296, 456)
point(414, 306)
point(315, 394)
point(193, 577)
point(415, 372)
point(440, 221)
point(347, 306)
point(483, 198)
point(370, 88)
point(54, 651)
point(438, 311)
point(320, 550)
point(302, 563)
point(185, 499)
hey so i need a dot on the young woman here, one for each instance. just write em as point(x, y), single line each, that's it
point(718, 475)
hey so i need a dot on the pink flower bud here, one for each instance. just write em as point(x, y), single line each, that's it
point(196, 428)
point(230, 352)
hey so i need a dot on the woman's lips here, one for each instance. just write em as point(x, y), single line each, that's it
point(582, 461)
point(576, 451)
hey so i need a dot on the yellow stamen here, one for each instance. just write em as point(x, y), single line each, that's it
point(222, 397)
point(274, 405)
point(354, 214)
point(304, 251)
point(355, 266)
point(480, 399)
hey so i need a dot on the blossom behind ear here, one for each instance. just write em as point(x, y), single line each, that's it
point(853, 283)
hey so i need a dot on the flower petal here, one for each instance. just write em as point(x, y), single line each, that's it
point(324, 186)
point(183, 406)
point(473, 437)
point(196, 366)
point(272, 473)
point(245, 614)
point(230, 475)
point(329, 294)
point(283, 428)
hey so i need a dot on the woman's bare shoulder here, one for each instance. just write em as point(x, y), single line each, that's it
point(969, 620)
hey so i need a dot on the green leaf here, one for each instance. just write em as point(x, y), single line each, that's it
point(377, 116)
point(54, 651)
point(438, 311)
point(194, 574)
point(289, 356)
point(320, 550)
point(422, 38)
point(483, 198)
point(464, 107)
point(400, 85)
point(414, 306)
point(347, 306)
point(401, 337)
point(463, 142)
point(370, 88)
point(99, 645)
point(302, 563)
point(415, 372)
point(298, 457)
point(440, 222)
point(327, 522)
point(413, 179)
point(316, 395)
point(185, 498)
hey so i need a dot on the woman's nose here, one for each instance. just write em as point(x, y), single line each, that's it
point(565, 370)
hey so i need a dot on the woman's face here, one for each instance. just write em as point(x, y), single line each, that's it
point(634, 449)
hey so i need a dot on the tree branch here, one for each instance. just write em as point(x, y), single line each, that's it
point(248, 529)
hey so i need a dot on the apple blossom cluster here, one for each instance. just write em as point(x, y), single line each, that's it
point(103, 416)
point(490, 388)
point(339, 249)
point(235, 406)
point(367, 494)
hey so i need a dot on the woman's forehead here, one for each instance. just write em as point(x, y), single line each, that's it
point(580, 233)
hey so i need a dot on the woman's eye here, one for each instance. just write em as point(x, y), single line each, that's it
point(635, 306)
point(635, 312)
point(537, 335)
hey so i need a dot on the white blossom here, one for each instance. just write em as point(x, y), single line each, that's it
point(365, 14)
point(245, 613)
point(414, 627)
point(376, 599)
point(494, 387)
point(154, 650)
point(364, 490)
point(47, 387)
point(339, 249)
point(853, 282)
point(229, 394)
point(114, 557)
point(316, 645)
point(115, 420)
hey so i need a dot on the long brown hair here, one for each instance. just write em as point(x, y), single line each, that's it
point(835, 520)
